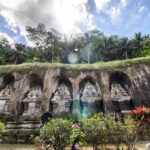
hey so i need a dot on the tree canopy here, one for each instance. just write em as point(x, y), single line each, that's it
point(91, 46)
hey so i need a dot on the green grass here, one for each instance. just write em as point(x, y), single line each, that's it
point(40, 68)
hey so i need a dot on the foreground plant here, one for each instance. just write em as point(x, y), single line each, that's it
point(114, 131)
point(2, 127)
point(141, 116)
point(95, 131)
point(78, 133)
point(56, 133)
point(129, 133)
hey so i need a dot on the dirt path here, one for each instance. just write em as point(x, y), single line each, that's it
point(17, 147)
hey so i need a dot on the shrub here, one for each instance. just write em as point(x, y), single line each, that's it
point(141, 116)
point(129, 133)
point(146, 52)
point(56, 133)
point(114, 131)
point(95, 129)
point(122, 132)
point(2, 127)
point(77, 132)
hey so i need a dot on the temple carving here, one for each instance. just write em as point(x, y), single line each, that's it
point(28, 99)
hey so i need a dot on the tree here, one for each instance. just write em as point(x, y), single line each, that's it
point(125, 46)
point(18, 55)
point(30, 53)
point(146, 45)
point(138, 40)
point(44, 39)
point(38, 35)
point(98, 45)
point(113, 49)
point(5, 51)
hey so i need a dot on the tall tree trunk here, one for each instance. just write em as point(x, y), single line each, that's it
point(16, 60)
point(141, 52)
point(126, 54)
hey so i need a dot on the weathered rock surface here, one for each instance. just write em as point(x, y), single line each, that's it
point(54, 90)
point(29, 97)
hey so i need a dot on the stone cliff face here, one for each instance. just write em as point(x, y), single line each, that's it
point(57, 91)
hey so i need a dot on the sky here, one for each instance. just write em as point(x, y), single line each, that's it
point(112, 17)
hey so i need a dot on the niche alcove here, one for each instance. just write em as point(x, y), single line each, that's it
point(120, 89)
point(6, 89)
point(60, 102)
point(90, 97)
point(32, 100)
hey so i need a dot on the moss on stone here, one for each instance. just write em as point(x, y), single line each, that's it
point(32, 119)
point(7, 117)
point(72, 69)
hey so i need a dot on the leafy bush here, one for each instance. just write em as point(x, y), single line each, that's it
point(122, 132)
point(95, 131)
point(77, 132)
point(2, 127)
point(56, 133)
point(146, 52)
point(141, 116)
point(100, 130)
point(114, 131)
point(129, 133)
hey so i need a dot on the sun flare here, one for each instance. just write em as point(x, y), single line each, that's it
point(68, 14)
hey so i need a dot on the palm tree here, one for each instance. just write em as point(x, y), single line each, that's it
point(125, 46)
point(138, 39)
point(18, 54)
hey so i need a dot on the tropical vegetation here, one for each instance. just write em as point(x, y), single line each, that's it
point(92, 46)
point(97, 130)
point(2, 127)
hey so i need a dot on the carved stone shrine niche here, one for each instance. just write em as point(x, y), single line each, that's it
point(6, 91)
point(120, 85)
point(61, 100)
point(32, 100)
point(90, 97)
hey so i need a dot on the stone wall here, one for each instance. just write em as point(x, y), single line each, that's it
point(56, 91)
point(29, 98)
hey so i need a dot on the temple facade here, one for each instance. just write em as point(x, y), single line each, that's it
point(28, 99)
point(55, 92)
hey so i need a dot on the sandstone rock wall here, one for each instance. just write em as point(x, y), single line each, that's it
point(56, 91)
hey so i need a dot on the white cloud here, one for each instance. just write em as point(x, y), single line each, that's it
point(9, 40)
point(70, 12)
point(141, 9)
point(63, 15)
point(7, 37)
point(89, 22)
point(109, 8)
point(115, 12)
point(101, 4)
point(124, 3)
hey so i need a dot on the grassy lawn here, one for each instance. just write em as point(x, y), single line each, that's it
point(26, 67)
